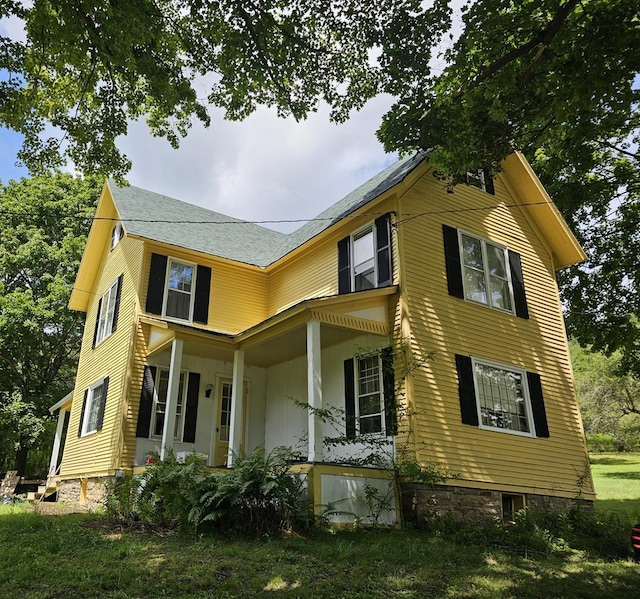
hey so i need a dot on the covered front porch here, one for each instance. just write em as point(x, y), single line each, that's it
point(221, 396)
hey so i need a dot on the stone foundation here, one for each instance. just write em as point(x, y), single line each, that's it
point(421, 503)
point(89, 492)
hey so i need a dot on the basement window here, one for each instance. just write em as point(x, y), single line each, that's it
point(511, 505)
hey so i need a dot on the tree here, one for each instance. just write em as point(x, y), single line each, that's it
point(608, 395)
point(556, 79)
point(45, 223)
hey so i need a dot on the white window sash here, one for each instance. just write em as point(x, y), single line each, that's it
point(190, 293)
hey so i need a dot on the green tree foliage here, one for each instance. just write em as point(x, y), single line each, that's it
point(556, 79)
point(45, 223)
point(609, 397)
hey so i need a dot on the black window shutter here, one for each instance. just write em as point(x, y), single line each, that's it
point(452, 261)
point(344, 265)
point(103, 402)
point(467, 390)
point(116, 308)
point(84, 405)
point(349, 399)
point(537, 404)
point(95, 330)
point(146, 402)
point(519, 297)
point(383, 250)
point(488, 182)
point(203, 290)
point(157, 276)
point(191, 411)
point(388, 388)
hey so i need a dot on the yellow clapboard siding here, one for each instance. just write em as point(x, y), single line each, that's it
point(447, 325)
point(99, 451)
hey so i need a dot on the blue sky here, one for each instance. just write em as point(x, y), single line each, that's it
point(10, 143)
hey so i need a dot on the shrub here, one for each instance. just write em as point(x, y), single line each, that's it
point(258, 497)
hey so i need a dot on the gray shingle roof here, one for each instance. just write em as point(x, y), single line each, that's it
point(160, 218)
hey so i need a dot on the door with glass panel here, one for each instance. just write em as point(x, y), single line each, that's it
point(223, 421)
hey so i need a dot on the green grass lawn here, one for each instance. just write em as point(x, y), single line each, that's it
point(80, 556)
point(83, 556)
point(616, 477)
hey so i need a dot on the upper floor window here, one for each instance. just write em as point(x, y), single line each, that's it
point(107, 313)
point(485, 269)
point(178, 289)
point(179, 292)
point(485, 272)
point(481, 179)
point(364, 258)
point(92, 414)
point(364, 266)
point(117, 233)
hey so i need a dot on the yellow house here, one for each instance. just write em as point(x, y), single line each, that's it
point(430, 320)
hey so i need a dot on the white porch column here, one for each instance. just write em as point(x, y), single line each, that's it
point(57, 441)
point(314, 390)
point(237, 399)
point(172, 398)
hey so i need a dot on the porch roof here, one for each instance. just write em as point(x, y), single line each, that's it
point(282, 336)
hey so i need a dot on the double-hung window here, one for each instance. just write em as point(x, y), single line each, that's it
point(364, 257)
point(179, 292)
point(502, 397)
point(117, 233)
point(108, 306)
point(364, 264)
point(370, 400)
point(107, 313)
point(93, 407)
point(160, 404)
point(485, 272)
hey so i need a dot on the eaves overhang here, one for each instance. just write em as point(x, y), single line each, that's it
point(536, 201)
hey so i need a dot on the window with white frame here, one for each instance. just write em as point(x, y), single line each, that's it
point(486, 273)
point(107, 313)
point(160, 404)
point(369, 396)
point(364, 264)
point(179, 292)
point(477, 179)
point(117, 234)
point(502, 396)
point(94, 405)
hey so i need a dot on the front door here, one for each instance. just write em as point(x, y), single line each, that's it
point(223, 421)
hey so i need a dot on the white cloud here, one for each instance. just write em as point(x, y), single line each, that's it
point(264, 168)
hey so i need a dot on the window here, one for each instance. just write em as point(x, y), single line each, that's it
point(364, 258)
point(179, 292)
point(481, 179)
point(178, 289)
point(160, 404)
point(107, 317)
point(502, 397)
point(153, 404)
point(93, 407)
point(364, 267)
point(117, 233)
point(511, 505)
point(369, 404)
point(485, 272)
